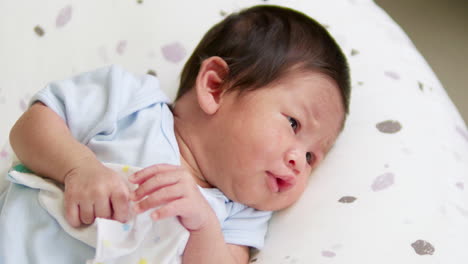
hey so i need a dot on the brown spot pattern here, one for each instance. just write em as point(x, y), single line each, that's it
point(39, 31)
point(347, 199)
point(389, 126)
point(422, 247)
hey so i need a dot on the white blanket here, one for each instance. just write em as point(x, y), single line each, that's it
point(140, 240)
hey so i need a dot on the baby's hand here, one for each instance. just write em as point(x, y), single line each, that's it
point(174, 189)
point(93, 190)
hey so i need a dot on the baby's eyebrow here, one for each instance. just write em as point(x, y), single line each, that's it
point(306, 110)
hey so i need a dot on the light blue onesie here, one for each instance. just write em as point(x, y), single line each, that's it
point(122, 118)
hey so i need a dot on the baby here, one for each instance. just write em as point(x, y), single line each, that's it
point(261, 101)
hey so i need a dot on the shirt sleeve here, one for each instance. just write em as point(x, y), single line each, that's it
point(247, 227)
point(93, 102)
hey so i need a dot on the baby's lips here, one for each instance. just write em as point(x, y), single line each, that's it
point(272, 183)
point(285, 184)
point(280, 183)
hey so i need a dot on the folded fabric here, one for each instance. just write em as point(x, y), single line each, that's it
point(140, 240)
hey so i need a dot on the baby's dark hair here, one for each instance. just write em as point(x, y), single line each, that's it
point(260, 44)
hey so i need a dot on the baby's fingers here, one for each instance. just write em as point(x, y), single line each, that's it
point(153, 184)
point(146, 173)
point(102, 208)
point(168, 210)
point(86, 210)
point(120, 206)
point(71, 213)
point(160, 197)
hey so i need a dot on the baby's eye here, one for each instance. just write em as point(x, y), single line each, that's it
point(293, 123)
point(310, 158)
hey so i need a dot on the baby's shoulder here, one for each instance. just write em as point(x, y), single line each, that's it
point(228, 209)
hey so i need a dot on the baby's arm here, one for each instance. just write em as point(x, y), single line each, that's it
point(43, 142)
point(208, 246)
point(173, 191)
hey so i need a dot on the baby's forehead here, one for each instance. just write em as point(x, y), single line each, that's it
point(311, 78)
point(317, 90)
point(324, 112)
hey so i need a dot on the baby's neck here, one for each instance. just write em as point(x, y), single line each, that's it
point(187, 159)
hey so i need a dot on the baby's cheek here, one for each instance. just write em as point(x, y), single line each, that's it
point(272, 142)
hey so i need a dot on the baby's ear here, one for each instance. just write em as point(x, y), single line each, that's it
point(209, 83)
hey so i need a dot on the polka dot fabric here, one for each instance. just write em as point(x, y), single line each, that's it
point(392, 190)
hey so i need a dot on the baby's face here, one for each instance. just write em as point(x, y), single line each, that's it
point(272, 138)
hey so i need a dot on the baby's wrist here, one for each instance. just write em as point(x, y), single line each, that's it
point(72, 167)
point(211, 224)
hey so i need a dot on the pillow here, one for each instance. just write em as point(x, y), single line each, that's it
point(392, 190)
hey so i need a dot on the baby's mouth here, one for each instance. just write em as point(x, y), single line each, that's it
point(280, 183)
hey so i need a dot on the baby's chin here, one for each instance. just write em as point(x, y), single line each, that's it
point(262, 200)
point(271, 207)
point(268, 204)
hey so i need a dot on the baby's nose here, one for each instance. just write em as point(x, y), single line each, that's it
point(295, 161)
